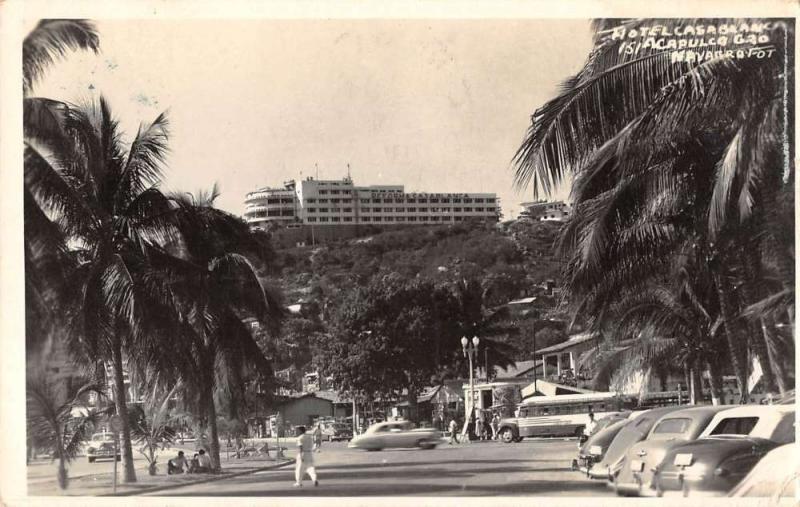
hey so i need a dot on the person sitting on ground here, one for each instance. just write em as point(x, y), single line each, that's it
point(203, 463)
point(193, 464)
point(177, 465)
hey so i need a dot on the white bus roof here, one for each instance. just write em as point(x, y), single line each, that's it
point(568, 398)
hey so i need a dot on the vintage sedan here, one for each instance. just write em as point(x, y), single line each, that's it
point(632, 433)
point(771, 477)
point(635, 477)
point(725, 452)
point(101, 446)
point(393, 434)
point(596, 445)
point(334, 431)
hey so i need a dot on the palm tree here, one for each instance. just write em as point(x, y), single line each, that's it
point(218, 289)
point(492, 326)
point(56, 419)
point(45, 259)
point(104, 203)
point(50, 41)
point(665, 153)
point(154, 423)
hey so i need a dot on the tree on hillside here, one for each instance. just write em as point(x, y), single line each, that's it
point(386, 338)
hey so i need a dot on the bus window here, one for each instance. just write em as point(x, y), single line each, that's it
point(545, 411)
point(602, 407)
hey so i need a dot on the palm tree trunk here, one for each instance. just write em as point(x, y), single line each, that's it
point(212, 427)
point(776, 358)
point(63, 479)
point(715, 381)
point(757, 338)
point(687, 382)
point(697, 380)
point(736, 347)
point(129, 474)
point(413, 409)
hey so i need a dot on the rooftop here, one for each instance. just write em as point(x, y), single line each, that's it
point(573, 340)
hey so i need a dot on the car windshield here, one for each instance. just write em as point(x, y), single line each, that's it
point(735, 426)
point(102, 437)
point(675, 426)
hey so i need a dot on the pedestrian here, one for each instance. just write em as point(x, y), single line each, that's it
point(203, 464)
point(177, 465)
point(317, 437)
point(453, 432)
point(479, 425)
point(587, 430)
point(495, 425)
point(305, 458)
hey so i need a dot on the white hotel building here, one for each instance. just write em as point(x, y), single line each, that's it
point(339, 202)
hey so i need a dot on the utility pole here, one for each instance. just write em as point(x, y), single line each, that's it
point(534, 357)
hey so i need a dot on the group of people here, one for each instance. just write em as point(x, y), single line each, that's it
point(200, 463)
point(487, 425)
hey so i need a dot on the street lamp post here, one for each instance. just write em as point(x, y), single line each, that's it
point(469, 351)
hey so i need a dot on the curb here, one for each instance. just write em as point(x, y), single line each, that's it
point(205, 480)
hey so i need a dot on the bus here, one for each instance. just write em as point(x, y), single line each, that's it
point(558, 416)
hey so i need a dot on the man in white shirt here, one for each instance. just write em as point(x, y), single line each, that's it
point(589, 429)
point(305, 458)
point(453, 432)
point(203, 461)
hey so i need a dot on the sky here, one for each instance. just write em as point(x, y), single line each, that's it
point(435, 105)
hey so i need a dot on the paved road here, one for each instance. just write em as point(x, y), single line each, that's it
point(539, 467)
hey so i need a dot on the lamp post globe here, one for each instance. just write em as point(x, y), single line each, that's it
point(464, 341)
point(475, 341)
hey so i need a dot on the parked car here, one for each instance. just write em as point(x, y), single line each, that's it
point(392, 434)
point(636, 476)
point(771, 477)
point(634, 432)
point(725, 452)
point(101, 446)
point(335, 431)
point(593, 450)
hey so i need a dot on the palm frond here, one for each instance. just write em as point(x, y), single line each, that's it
point(50, 41)
point(143, 167)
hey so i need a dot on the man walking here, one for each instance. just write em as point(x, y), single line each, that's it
point(317, 437)
point(453, 432)
point(305, 458)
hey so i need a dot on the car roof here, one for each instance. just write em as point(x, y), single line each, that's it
point(698, 411)
point(769, 416)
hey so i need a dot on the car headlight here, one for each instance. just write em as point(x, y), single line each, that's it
point(596, 450)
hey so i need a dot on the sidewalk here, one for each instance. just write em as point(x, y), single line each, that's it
point(101, 484)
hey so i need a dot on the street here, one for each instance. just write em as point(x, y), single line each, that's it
point(531, 467)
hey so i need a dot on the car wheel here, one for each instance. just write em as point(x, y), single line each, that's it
point(507, 435)
point(91, 460)
point(424, 444)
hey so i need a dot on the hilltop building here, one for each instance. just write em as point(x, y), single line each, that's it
point(340, 203)
point(555, 211)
